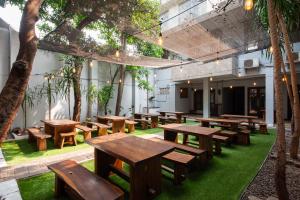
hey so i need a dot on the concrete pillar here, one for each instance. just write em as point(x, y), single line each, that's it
point(269, 96)
point(206, 98)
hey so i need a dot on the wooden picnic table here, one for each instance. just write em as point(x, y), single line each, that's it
point(55, 127)
point(203, 134)
point(178, 115)
point(143, 157)
point(234, 123)
point(118, 122)
point(247, 117)
point(153, 117)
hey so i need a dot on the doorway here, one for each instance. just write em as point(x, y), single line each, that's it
point(198, 100)
point(256, 101)
point(234, 100)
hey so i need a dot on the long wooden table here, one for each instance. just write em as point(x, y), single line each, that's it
point(152, 116)
point(178, 115)
point(143, 157)
point(118, 122)
point(233, 123)
point(55, 127)
point(203, 134)
point(247, 117)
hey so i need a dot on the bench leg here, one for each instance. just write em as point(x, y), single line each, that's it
point(131, 128)
point(62, 141)
point(144, 125)
point(59, 186)
point(185, 139)
point(179, 174)
point(102, 131)
point(30, 138)
point(87, 135)
point(218, 149)
point(41, 144)
point(74, 140)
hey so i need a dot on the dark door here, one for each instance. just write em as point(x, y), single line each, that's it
point(256, 101)
point(198, 100)
point(234, 100)
point(289, 110)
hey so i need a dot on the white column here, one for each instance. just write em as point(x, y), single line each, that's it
point(206, 96)
point(269, 96)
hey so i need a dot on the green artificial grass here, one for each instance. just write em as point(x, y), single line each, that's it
point(16, 152)
point(224, 178)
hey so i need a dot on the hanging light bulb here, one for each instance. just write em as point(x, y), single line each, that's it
point(61, 73)
point(91, 64)
point(180, 90)
point(107, 81)
point(52, 77)
point(188, 82)
point(271, 49)
point(120, 80)
point(45, 77)
point(217, 61)
point(195, 90)
point(211, 89)
point(160, 39)
point(181, 70)
point(254, 83)
point(239, 75)
point(154, 75)
point(117, 53)
point(230, 87)
point(211, 78)
point(74, 70)
point(283, 79)
point(248, 5)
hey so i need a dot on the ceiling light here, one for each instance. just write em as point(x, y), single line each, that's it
point(211, 78)
point(230, 87)
point(248, 5)
point(254, 83)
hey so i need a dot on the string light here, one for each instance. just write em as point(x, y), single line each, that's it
point(189, 82)
point(271, 49)
point(120, 80)
point(181, 70)
point(211, 89)
point(230, 87)
point(52, 77)
point(154, 75)
point(248, 5)
point(254, 83)
point(211, 78)
point(195, 90)
point(283, 79)
point(107, 81)
point(180, 90)
point(91, 64)
point(45, 77)
point(239, 75)
point(160, 39)
point(117, 53)
point(61, 74)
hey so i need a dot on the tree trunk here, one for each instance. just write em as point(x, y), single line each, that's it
point(112, 80)
point(122, 78)
point(296, 108)
point(120, 89)
point(280, 177)
point(77, 90)
point(12, 94)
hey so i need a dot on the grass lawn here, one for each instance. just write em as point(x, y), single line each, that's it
point(21, 151)
point(223, 179)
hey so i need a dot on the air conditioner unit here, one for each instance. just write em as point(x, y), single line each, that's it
point(251, 63)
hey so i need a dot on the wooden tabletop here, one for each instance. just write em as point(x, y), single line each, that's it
point(174, 112)
point(112, 117)
point(60, 122)
point(147, 114)
point(192, 130)
point(239, 116)
point(130, 149)
point(219, 120)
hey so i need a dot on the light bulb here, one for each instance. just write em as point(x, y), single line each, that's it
point(160, 39)
point(211, 79)
point(107, 82)
point(284, 79)
point(217, 61)
point(254, 83)
point(181, 70)
point(74, 70)
point(117, 53)
point(195, 90)
point(155, 75)
point(239, 75)
point(189, 82)
point(271, 49)
point(211, 88)
point(45, 77)
point(52, 77)
point(61, 74)
point(120, 80)
point(231, 87)
point(180, 90)
point(91, 64)
point(248, 5)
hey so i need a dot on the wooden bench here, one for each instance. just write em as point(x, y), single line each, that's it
point(35, 134)
point(218, 139)
point(87, 132)
point(231, 134)
point(143, 122)
point(181, 162)
point(243, 137)
point(130, 125)
point(67, 138)
point(263, 129)
point(200, 154)
point(101, 128)
point(163, 119)
point(80, 183)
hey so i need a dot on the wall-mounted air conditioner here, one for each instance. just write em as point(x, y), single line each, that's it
point(251, 63)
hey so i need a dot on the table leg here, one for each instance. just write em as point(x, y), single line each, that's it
point(204, 124)
point(207, 144)
point(170, 136)
point(56, 136)
point(178, 118)
point(154, 122)
point(102, 162)
point(149, 186)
